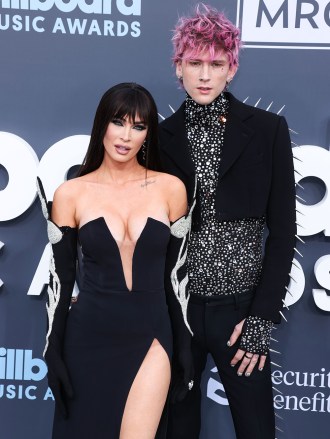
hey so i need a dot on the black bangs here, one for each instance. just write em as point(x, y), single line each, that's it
point(135, 106)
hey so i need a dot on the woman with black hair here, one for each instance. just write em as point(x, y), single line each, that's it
point(109, 357)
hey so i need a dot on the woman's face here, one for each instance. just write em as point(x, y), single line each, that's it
point(124, 138)
point(204, 78)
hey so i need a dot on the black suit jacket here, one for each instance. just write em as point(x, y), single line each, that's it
point(255, 178)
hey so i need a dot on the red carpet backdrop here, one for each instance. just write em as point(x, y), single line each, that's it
point(57, 59)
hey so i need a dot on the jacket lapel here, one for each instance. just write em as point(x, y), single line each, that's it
point(237, 136)
point(177, 147)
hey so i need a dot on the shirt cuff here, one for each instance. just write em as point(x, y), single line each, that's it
point(255, 337)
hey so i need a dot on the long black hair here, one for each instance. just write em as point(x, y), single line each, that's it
point(129, 100)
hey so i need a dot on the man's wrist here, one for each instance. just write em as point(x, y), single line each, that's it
point(256, 334)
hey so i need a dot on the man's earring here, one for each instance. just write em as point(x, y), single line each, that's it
point(179, 77)
point(227, 83)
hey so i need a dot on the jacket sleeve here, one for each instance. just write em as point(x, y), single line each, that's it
point(281, 224)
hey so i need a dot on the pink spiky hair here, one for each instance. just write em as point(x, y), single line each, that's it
point(208, 29)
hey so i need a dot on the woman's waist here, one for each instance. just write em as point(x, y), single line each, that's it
point(115, 314)
point(111, 284)
point(111, 291)
point(93, 301)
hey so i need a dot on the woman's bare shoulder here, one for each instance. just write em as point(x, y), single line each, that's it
point(67, 189)
point(175, 194)
point(71, 190)
point(171, 182)
point(75, 185)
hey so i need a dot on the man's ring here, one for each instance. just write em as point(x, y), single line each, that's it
point(190, 384)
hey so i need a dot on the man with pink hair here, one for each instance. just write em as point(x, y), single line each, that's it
point(236, 163)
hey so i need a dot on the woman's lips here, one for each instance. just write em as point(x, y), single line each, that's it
point(121, 149)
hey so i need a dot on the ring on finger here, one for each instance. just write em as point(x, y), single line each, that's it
point(249, 358)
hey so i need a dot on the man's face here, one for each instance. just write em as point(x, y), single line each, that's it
point(205, 78)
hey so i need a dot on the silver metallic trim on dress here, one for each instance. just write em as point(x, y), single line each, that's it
point(54, 232)
point(181, 229)
point(54, 291)
point(43, 201)
point(54, 294)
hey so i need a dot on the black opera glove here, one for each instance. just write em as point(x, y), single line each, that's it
point(62, 273)
point(255, 337)
point(176, 280)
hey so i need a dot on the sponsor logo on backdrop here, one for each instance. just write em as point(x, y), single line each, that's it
point(21, 375)
point(215, 389)
point(285, 23)
point(107, 18)
point(308, 391)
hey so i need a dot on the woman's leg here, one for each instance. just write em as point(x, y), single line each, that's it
point(147, 395)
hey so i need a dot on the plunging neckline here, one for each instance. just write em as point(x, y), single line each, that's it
point(148, 220)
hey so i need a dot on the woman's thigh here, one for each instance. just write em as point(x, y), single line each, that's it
point(147, 395)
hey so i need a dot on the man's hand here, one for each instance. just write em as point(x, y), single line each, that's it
point(247, 360)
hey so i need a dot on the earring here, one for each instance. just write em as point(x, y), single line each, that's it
point(144, 150)
point(227, 83)
point(179, 77)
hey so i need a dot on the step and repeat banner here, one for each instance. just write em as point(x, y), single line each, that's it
point(57, 59)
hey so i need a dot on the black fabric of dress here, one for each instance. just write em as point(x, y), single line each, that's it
point(110, 328)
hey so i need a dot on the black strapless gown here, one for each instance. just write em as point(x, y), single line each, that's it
point(110, 328)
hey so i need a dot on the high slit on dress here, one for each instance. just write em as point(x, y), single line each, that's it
point(110, 328)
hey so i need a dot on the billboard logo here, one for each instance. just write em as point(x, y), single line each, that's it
point(287, 24)
point(19, 15)
point(94, 7)
point(18, 364)
point(21, 374)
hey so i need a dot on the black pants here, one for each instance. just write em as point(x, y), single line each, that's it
point(250, 398)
